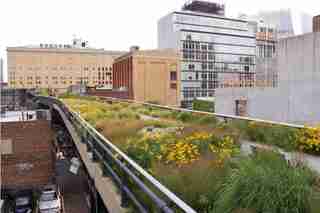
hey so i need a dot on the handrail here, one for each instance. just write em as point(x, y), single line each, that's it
point(164, 190)
point(146, 175)
point(235, 117)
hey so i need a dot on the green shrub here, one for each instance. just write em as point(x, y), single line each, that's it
point(201, 105)
point(185, 116)
point(265, 183)
point(208, 119)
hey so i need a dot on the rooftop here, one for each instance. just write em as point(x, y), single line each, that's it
point(204, 7)
point(24, 115)
point(14, 116)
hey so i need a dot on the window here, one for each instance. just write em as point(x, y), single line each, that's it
point(188, 37)
point(173, 86)
point(204, 85)
point(210, 56)
point(246, 68)
point(203, 47)
point(210, 66)
point(173, 75)
point(204, 75)
point(197, 75)
point(210, 47)
point(191, 66)
point(204, 66)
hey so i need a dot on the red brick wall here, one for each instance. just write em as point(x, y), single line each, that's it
point(31, 163)
point(316, 23)
point(122, 75)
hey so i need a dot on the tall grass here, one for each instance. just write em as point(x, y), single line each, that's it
point(266, 183)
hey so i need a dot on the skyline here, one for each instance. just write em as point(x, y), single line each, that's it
point(112, 30)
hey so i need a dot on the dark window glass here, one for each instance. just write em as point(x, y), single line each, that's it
point(173, 75)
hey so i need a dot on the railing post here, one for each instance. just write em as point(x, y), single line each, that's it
point(94, 154)
point(124, 196)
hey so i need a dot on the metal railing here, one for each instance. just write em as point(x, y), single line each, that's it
point(224, 116)
point(126, 173)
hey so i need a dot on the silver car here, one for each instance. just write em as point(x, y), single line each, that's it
point(50, 201)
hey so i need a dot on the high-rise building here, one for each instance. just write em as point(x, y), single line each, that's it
point(149, 75)
point(288, 22)
point(56, 67)
point(1, 70)
point(316, 24)
point(216, 51)
point(266, 39)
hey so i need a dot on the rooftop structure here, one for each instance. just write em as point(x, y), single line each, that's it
point(148, 75)
point(204, 7)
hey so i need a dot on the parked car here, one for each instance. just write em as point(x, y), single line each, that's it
point(50, 200)
point(23, 203)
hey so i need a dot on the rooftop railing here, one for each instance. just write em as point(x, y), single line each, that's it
point(219, 115)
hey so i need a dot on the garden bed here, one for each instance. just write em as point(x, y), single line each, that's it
point(197, 157)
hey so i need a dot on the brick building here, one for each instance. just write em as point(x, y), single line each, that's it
point(316, 24)
point(149, 75)
point(56, 67)
point(27, 152)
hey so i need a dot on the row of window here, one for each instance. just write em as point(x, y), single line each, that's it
point(207, 88)
point(266, 51)
point(61, 68)
point(197, 45)
point(196, 92)
point(57, 82)
point(221, 67)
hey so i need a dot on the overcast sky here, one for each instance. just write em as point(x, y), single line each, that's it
point(109, 24)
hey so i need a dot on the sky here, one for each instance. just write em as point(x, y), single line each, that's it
point(108, 24)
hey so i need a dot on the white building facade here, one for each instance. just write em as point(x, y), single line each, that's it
point(216, 51)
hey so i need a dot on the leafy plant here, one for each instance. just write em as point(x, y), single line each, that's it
point(266, 183)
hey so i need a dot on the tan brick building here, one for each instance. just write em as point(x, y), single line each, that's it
point(56, 67)
point(149, 76)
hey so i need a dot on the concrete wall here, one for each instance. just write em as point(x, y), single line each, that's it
point(297, 99)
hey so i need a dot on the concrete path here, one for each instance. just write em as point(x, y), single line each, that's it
point(148, 117)
point(312, 161)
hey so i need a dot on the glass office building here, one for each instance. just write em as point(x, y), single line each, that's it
point(216, 51)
